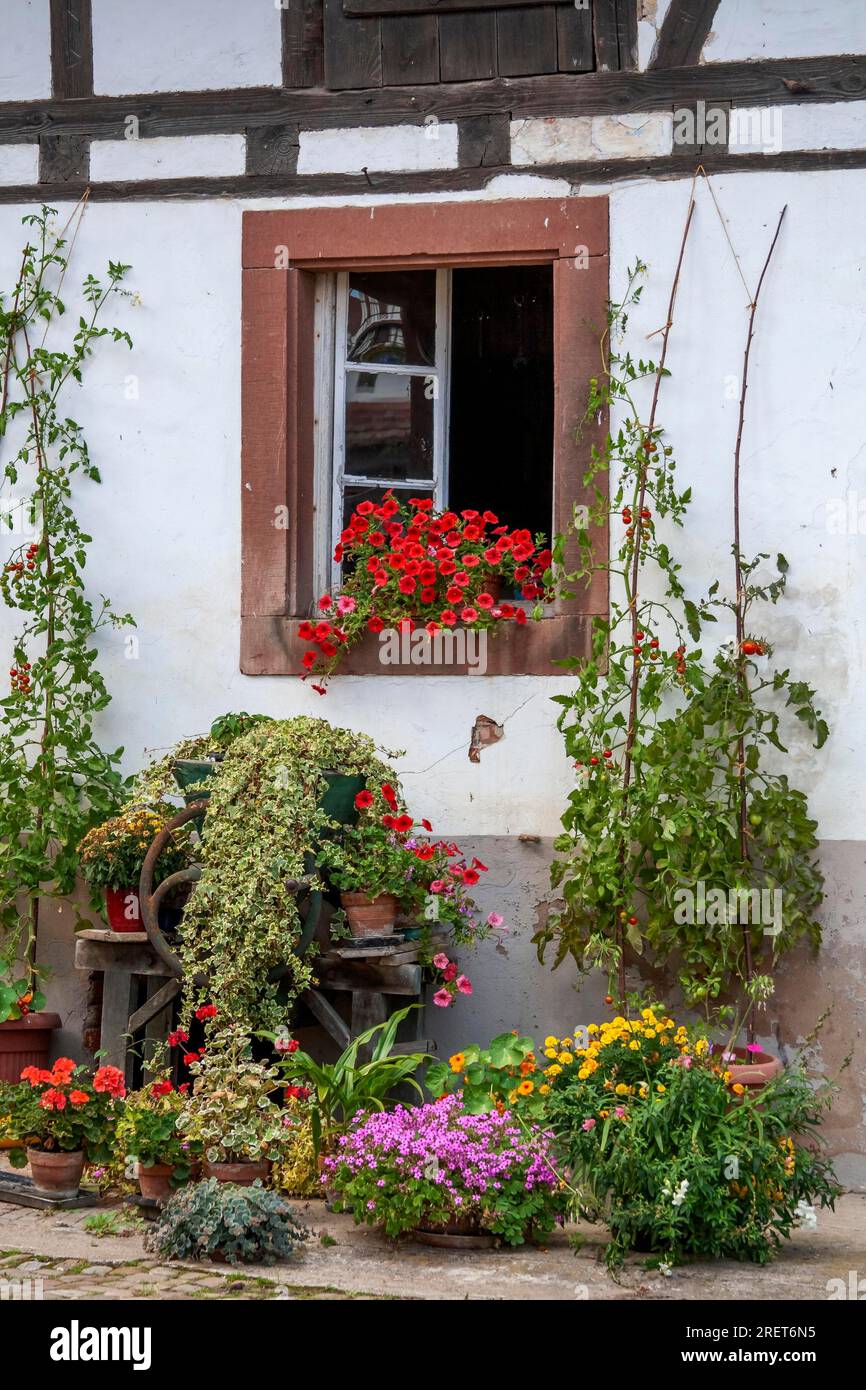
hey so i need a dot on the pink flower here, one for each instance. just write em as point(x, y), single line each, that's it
point(450, 971)
point(753, 1047)
point(441, 961)
point(345, 604)
point(437, 885)
point(588, 1124)
point(619, 1111)
point(685, 1061)
point(464, 985)
point(495, 920)
point(442, 998)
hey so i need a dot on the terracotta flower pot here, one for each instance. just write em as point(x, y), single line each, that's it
point(154, 1180)
point(123, 909)
point(25, 1042)
point(753, 1075)
point(56, 1174)
point(370, 916)
point(244, 1173)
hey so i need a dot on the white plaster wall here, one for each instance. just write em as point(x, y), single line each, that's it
point(387, 148)
point(745, 29)
point(25, 50)
point(166, 520)
point(168, 157)
point(184, 45)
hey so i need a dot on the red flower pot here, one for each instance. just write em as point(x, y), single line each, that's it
point(56, 1174)
point(244, 1173)
point(753, 1075)
point(154, 1180)
point(370, 916)
point(123, 909)
point(25, 1042)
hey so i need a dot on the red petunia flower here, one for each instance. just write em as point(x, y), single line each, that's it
point(403, 824)
point(325, 602)
point(375, 624)
point(485, 600)
point(363, 800)
point(469, 615)
point(407, 584)
point(389, 794)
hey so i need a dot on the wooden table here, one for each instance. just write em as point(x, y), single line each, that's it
point(371, 974)
point(125, 957)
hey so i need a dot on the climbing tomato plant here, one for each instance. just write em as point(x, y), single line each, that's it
point(676, 803)
point(55, 780)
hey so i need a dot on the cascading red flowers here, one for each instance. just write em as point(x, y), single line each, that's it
point(414, 568)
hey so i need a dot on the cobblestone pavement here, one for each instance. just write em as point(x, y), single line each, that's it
point(65, 1251)
point(38, 1277)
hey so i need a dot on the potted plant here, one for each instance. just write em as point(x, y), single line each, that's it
point(229, 1113)
point(148, 1132)
point(111, 856)
point(219, 1221)
point(675, 1155)
point(370, 865)
point(25, 1026)
point(62, 1116)
point(337, 1091)
point(674, 799)
point(448, 1176)
point(409, 566)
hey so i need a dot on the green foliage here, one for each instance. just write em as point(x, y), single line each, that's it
point(230, 1114)
point(688, 1172)
point(338, 1090)
point(147, 1130)
point(55, 781)
point(241, 1224)
point(490, 1078)
point(227, 727)
point(655, 733)
point(368, 858)
point(264, 823)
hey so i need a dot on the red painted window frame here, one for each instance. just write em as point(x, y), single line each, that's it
point(282, 252)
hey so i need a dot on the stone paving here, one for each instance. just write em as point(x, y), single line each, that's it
point(341, 1261)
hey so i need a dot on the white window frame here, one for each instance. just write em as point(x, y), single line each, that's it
point(332, 319)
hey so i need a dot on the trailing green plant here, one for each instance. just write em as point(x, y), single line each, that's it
point(668, 749)
point(337, 1091)
point(230, 1114)
point(264, 822)
point(55, 780)
point(238, 1224)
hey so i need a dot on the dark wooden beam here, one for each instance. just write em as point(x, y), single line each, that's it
point(683, 33)
point(766, 83)
point(383, 7)
point(445, 181)
point(303, 44)
point(71, 48)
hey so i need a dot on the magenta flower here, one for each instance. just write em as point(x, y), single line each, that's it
point(619, 1111)
point(441, 961)
point(753, 1047)
point(345, 604)
point(588, 1124)
point(442, 998)
point(464, 985)
point(495, 919)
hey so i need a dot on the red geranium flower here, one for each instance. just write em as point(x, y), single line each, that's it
point(161, 1088)
point(177, 1037)
point(206, 1011)
point(53, 1100)
point(79, 1098)
point(110, 1079)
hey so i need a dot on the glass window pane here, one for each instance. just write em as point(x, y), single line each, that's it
point(392, 317)
point(389, 426)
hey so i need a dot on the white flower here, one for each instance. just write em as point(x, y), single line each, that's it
point(805, 1215)
point(665, 1268)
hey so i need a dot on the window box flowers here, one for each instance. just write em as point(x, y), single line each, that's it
point(440, 1169)
point(61, 1116)
point(409, 567)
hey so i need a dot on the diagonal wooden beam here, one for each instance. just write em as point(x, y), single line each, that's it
point(154, 1005)
point(683, 33)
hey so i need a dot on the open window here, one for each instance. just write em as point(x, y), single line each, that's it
point(439, 350)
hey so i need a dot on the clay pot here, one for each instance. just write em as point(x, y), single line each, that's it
point(243, 1173)
point(459, 1235)
point(753, 1075)
point(123, 910)
point(25, 1042)
point(154, 1180)
point(56, 1174)
point(370, 916)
